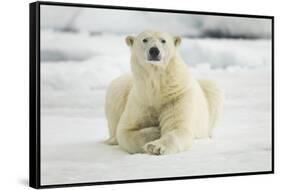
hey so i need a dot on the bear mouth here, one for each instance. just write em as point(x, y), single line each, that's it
point(154, 58)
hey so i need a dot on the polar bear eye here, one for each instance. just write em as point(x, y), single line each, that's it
point(163, 41)
point(144, 40)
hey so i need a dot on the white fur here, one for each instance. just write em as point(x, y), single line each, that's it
point(160, 108)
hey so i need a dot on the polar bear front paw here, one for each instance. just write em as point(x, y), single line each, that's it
point(155, 148)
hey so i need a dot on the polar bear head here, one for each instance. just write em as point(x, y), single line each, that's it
point(151, 47)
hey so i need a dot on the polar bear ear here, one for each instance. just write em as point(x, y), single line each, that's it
point(130, 40)
point(177, 40)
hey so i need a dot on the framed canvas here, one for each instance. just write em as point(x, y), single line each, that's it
point(127, 94)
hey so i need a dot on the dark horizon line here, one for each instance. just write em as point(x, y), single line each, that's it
point(213, 35)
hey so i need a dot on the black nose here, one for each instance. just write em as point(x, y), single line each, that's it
point(154, 51)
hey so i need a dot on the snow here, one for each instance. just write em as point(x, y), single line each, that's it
point(73, 124)
point(100, 20)
point(93, 61)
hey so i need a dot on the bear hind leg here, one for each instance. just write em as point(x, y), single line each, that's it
point(116, 99)
point(215, 99)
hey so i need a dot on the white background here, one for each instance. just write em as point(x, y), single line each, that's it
point(14, 93)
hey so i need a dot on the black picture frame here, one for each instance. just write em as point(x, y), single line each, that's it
point(34, 93)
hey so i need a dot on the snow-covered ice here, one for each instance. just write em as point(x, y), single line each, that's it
point(102, 20)
point(73, 125)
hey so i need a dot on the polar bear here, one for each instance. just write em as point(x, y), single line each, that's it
point(160, 108)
